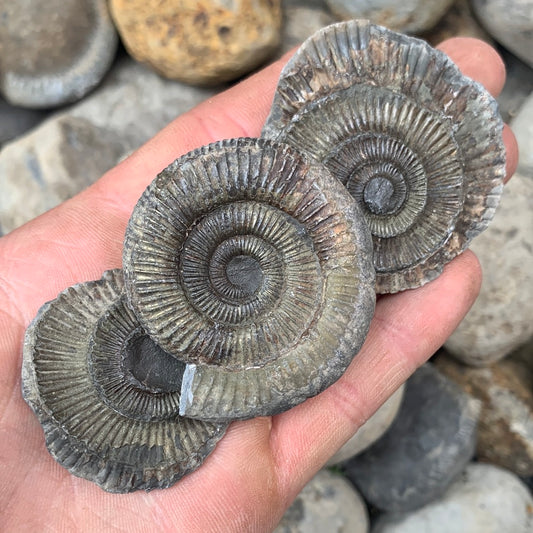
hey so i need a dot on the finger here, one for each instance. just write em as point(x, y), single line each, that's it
point(511, 147)
point(477, 60)
point(407, 329)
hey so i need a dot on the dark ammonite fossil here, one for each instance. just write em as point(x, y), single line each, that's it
point(106, 395)
point(417, 144)
point(249, 271)
point(254, 268)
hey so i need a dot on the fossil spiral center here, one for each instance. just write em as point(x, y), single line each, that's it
point(151, 366)
point(245, 273)
point(381, 197)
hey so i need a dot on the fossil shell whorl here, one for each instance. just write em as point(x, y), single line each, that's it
point(417, 144)
point(253, 267)
point(106, 395)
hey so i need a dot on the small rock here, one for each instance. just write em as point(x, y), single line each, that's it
point(427, 446)
point(510, 22)
point(371, 430)
point(523, 129)
point(14, 121)
point(204, 43)
point(505, 431)
point(501, 319)
point(408, 16)
point(484, 499)
point(53, 52)
point(74, 148)
point(518, 87)
point(328, 503)
point(459, 21)
point(300, 22)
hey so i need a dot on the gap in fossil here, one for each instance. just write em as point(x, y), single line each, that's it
point(154, 368)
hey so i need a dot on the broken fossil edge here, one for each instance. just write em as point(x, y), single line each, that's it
point(417, 143)
point(124, 435)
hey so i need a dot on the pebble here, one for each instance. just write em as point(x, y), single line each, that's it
point(201, 43)
point(371, 430)
point(53, 52)
point(505, 430)
point(300, 22)
point(427, 446)
point(14, 121)
point(510, 22)
point(522, 127)
point(484, 499)
point(74, 148)
point(408, 16)
point(458, 21)
point(501, 319)
point(327, 504)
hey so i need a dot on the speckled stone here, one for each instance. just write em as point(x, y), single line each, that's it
point(327, 504)
point(53, 52)
point(510, 22)
point(73, 149)
point(427, 446)
point(501, 319)
point(371, 430)
point(505, 431)
point(408, 16)
point(202, 43)
point(484, 499)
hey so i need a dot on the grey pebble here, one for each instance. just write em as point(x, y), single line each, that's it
point(53, 52)
point(327, 504)
point(428, 445)
point(484, 499)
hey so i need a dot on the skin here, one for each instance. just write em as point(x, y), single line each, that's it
point(260, 465)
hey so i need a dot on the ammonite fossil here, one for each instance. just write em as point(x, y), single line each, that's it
point(106, 395)
point(417, 144)
point(254, 268)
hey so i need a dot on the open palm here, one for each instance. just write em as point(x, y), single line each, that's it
point(260, 465)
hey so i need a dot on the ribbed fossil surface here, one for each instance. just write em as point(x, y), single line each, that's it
point(417, 144)
point(255, 268)
point(106, 395)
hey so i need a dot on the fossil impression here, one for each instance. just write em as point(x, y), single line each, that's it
point(106, 395)
point(254, 268)
point(417, 144)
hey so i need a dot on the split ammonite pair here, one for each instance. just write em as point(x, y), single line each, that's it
point(250, 266)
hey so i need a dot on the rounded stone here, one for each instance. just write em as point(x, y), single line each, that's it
point(510, 22)
point(523, 129)
point(328, 503)
point(57, 56)
point(505, 431)
point(429, 443)
point(202, 43)
point(501, 318)
point(409, 16)
point(484, 499)
point(371, 430)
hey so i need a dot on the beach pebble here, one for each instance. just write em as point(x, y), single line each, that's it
point(53, 52)
point(74, 148)
point(408, 16)
point(203, 43)
point(501, 319)
point(510, 22)
point(483, 499)
point(327, 504)
point(429, 443)
point(505, 430)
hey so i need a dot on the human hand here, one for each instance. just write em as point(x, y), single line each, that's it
point(261, 464)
